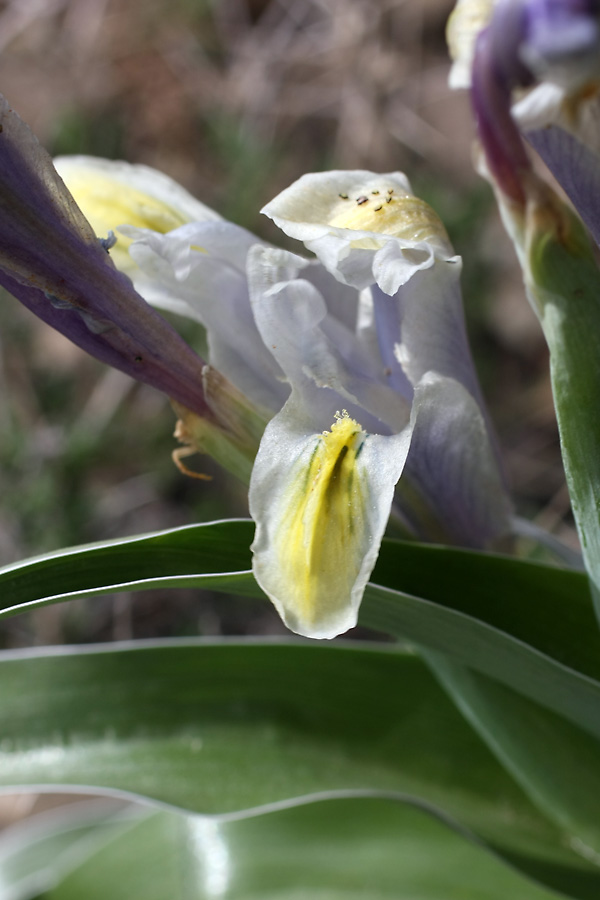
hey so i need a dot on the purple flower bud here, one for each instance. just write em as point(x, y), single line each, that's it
point(53, 263)
point(495, 67)
point(562, 41)
point(525, 41)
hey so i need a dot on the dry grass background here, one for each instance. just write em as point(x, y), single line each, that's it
point(235, 99)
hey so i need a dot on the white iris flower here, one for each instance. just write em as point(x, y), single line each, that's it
point(357, 360)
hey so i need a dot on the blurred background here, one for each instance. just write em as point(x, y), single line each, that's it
point(234, 99)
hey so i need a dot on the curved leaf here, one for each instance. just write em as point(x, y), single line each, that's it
point(488, 650)
point(215, 555)
point(37, 852)
point(217, 728)
point(531, 627)
point(557, 764)
point(334, 850)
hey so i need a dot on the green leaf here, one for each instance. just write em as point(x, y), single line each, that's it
point(488, 650)
point(350, 849)
point(557, 764)
point(564, 281)
point(548, 608)
point(218, 728)
point(529, 626)
point(215, 555)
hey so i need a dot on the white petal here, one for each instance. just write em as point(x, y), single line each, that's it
point(201, 269)
point(345, 218)
point(467, 19)
point(113, 193)
point(319, 355)
point(321, 503)
point(433, 332)
point(145, 193)
point(395, 264)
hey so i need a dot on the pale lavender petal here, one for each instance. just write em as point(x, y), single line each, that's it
point(576, 167)
point(433, 335)
point(451, 488)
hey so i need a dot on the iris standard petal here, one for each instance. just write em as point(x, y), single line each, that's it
point(323, 360)
point(199, 270)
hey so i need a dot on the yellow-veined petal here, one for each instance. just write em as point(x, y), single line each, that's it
point(321, 504)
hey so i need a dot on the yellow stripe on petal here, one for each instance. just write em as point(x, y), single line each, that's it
point(320, 541)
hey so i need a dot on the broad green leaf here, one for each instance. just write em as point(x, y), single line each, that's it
point(350, 849)
point(217, 728)
point(543, 606)
point(546, 607)
point(529, 626)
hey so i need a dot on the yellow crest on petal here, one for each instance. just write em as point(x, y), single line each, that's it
point(387, 210)
point(107, 204)
point(321, 536)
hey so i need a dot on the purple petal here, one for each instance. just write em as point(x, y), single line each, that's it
point(563, 40)
point(452, 490)
point(161, 359)
point(53, 263)
point(575, 167)
point(491, 100)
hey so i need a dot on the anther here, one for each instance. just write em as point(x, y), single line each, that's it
point(361, 200)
